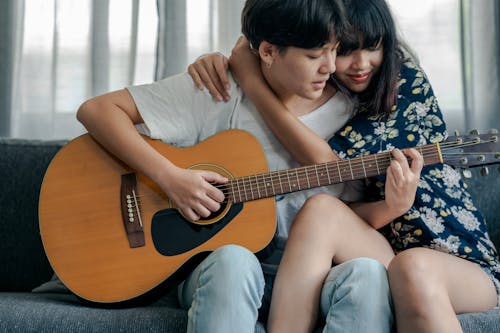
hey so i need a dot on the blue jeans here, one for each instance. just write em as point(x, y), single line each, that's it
point(356, 298)
point(224, 294)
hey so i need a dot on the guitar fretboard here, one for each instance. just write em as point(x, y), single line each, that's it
point(302, 178)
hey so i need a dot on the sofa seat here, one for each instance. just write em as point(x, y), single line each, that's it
point(25, 266)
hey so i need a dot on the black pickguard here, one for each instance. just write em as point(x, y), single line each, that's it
point(172, 234)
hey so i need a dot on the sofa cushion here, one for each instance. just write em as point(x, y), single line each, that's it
point(36, 312)
point(22, 166)
point(45, 312)
point(485, 191)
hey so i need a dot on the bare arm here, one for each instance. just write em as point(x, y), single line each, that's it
point(304, 145)
point(110, 119)
point(210, 71)
point(400, 189)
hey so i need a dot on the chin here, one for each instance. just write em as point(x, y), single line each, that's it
point(311, 95)
point(358, 88)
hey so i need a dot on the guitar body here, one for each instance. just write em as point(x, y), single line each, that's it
point(113, 237)
point(84, 232)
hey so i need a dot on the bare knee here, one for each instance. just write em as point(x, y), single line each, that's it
point(322, 201)
point(319, 210)
point(415, 282)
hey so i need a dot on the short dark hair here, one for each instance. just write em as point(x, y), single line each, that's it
point(299, 23)
point(371, 22)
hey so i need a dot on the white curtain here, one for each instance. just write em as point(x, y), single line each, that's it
point(69, 50)
point(457, 42)
point(54, 54)
point(481, 45)
point(10, 31)
point(189, 28)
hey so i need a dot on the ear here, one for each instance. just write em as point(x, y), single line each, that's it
point(267, 52)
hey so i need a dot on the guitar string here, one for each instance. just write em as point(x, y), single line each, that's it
point(250, 181)
point(356, 167)
point(241, 197)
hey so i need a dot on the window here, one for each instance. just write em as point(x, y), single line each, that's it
point(75, 49)
point(432, 30)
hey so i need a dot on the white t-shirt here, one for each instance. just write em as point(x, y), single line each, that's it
point(177, 113)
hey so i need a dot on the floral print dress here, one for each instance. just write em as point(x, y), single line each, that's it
point(443, 216)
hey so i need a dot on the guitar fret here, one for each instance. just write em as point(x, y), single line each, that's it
point(298, 179)
point(371, 163)
point(253, 190)
point(350, 168)
point(317, 175)
point(289, 183)
point(245, 190)
point(270, 183)
point(306, 170)
point(239, 190)
point(340, 174)
point(251, 187)
point(265, 185)
point(421, 153)
point(257, 186)
point(328, 173)
point(279, 183)
point(363, 164)
point(376, 164)
point(231, 183)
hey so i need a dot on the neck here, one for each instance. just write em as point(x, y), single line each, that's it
point(297, 105)
point(301, 106)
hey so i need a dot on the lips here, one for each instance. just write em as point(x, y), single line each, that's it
point(319, 84)
point(359, 78)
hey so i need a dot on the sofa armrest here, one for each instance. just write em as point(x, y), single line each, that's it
point(22, 167)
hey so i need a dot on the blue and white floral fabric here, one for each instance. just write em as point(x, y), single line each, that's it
point(443, 216)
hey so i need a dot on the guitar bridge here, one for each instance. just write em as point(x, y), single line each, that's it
point(131, 213)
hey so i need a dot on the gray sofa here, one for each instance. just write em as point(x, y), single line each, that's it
point(25, 266)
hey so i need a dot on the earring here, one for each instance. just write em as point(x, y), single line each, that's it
point(269, 64)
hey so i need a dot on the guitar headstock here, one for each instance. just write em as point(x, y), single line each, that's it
point(472, 150)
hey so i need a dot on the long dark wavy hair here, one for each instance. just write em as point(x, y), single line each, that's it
point(371, 23)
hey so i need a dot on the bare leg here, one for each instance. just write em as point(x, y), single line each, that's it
point(429, 288)
point(325, 230)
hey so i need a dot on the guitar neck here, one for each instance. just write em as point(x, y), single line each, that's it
point(302, 178)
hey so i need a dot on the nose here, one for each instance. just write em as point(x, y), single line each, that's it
point(329, 65)
point(360, 59)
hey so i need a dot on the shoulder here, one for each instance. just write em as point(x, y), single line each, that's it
point(413, 81)
point(417, 106)
point(176, 85)
point(414, 89)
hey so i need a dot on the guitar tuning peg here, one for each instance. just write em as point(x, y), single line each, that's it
point(457, 133)
point(466, 173)
point(493, 131)
point(474, 132)
point(485, 171)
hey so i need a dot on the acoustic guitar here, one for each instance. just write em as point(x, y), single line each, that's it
point(114, 238)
